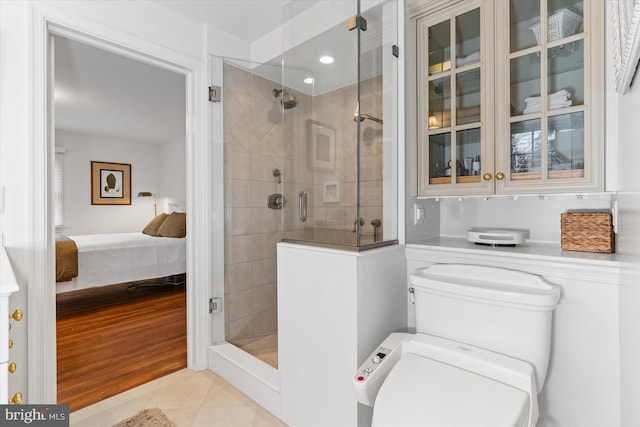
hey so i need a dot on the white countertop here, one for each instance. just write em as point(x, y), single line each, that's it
point(524, 250)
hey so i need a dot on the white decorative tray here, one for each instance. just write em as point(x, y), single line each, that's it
point(492, 236)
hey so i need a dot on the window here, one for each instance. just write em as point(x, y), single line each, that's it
point(58, 188)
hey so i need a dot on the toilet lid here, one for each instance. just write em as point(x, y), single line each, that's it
point(423, 392)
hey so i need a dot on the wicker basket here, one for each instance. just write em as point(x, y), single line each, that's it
point(587, 232)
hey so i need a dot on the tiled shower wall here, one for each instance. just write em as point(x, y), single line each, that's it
point(253, 147)
point(331, 220)
point(259, 137)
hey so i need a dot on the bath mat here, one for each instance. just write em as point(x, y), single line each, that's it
point(147, 418)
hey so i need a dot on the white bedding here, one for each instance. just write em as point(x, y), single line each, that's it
point(106, 259)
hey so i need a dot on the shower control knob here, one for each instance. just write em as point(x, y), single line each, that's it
point(276, 201)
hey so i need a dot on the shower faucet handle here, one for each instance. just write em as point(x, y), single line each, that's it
point(276, 201)
point(278, 175)
point(355, 223)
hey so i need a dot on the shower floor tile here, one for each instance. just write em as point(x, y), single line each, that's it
point(265, 349)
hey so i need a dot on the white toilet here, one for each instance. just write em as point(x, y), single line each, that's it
point(479, 357)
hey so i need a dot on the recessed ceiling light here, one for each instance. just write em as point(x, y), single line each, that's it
point(308, 80)
point(326, 59)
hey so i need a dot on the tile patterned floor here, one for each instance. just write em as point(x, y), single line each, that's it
point(188, 398)
point(265, 349)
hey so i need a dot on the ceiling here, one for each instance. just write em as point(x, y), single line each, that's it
point(248, 20)
point(102, 93)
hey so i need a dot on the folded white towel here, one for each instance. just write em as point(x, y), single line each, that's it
point(561, 92)
point(554, 105)
point(559, 96)
point(559, 99)
point(535, 108)
point(471, 58)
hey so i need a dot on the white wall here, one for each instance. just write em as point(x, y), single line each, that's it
point(144, 24)
point(158, 168)
point(173, 179)
point(540, 216)
point(15, 170)
point(628, 249)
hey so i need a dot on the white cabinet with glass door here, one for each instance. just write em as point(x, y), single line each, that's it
point(455, 92)
point(551, 96)
point(541, 130)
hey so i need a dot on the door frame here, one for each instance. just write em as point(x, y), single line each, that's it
point(41, 304)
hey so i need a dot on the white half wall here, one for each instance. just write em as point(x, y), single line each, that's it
point(334, 308)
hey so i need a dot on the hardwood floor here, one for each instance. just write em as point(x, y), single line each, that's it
point(110, 340)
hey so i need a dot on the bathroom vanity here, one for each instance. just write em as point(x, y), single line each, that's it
point(8, 285)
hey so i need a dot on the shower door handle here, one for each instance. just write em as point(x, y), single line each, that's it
point(302, 206)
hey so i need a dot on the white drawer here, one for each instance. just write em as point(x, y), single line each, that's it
point(4, 383)
point(4, 329)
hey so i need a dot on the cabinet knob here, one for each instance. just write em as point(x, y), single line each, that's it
point(16, 399)
point(499, 176)
point(12, 367)
point(16, 315)
point(10, 343)
point(486, 176)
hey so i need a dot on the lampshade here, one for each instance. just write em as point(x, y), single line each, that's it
point(149, 194)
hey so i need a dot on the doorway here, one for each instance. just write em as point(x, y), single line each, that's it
point(41, 294)
point(108, 108)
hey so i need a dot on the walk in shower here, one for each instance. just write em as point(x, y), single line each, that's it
point(311, 152)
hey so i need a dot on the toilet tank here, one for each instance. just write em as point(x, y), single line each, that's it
point(506, 311)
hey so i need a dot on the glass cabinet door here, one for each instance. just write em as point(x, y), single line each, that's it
point(452, 74)
point(546, 92)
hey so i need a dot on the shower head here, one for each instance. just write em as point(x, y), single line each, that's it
point(288, 101)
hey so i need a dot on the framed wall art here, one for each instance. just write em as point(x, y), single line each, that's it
point(110, 183)
point(323, 145)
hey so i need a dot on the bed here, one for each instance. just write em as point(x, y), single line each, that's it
point(106, 259)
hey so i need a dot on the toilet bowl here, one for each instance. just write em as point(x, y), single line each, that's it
point(465, 365)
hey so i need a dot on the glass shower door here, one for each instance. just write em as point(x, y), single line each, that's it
point(341, 141)
point(254, 171)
